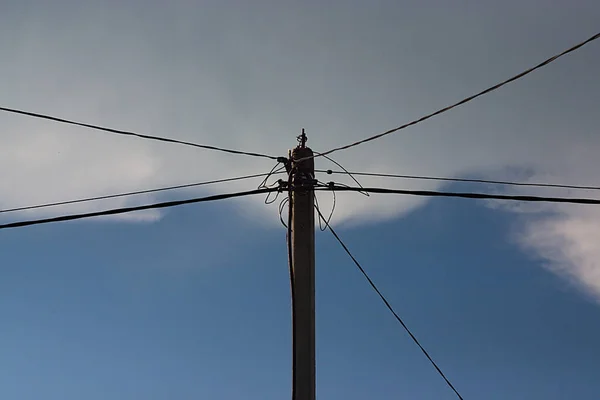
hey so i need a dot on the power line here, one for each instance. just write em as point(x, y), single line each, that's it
point(292, 288)
point(128, 133)
point(137, 208)
point(389, 307)
point(430, 193)
point(333, 186)
point(112, 196)
point(436, 178)
point(466, 100)
point(88, 199)
point(345, 171)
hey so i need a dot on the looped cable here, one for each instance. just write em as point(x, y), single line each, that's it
point(332, 185)
point(324, 223)
point(329, 172)
point(281, 208)
point(273, 171)
point(264, 184)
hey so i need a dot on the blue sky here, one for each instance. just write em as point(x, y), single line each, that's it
point(164, 310)
point(193, 302)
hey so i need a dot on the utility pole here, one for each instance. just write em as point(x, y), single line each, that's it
point(303, 269)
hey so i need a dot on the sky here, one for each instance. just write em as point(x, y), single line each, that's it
point(193, 302)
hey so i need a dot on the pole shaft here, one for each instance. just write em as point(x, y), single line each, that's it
point(303, 278)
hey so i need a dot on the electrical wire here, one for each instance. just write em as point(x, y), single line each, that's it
point(124, 210)
point(128, 133)
point(333, 186)
point(281, 208)
point(390, 308)
point(269, 201)
point(322, 226)
point(342, 167)
point(430, 193)
point(112, 196)
point(466, 100)
point(292, 285)
point(435, 178)
point(279, 183)
point(88, 199)
point(273, 171)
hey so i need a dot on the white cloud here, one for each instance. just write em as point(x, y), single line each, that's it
point(249, 77)
point(568, 243)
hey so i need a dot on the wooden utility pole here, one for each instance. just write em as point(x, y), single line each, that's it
point(303, 270)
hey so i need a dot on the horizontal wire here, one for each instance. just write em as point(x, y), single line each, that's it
point(128, 133)
point(389, 306)
point(338, 188)
point(430, 193)
point(435, 178)
point(466, 100)
point(112, 196)
point(345, 171)
point(124, 210)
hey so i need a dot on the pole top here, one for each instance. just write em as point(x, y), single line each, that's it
point(302, 139)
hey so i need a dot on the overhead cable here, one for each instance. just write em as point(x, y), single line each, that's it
point(137, 208)
point(112, 196)
point(389, 307)
point(431, 193)
point(466, 100)
point(345, 171)
point(442, 179)
point(292, 283)
point(129, 133)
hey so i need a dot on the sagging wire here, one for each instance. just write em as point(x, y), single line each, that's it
point(276, 196)
point(273, 171)
point(329, 172)
point(281, 208)
point(332, 185)
point(321, 184)
point(323, 227)
point(279, 183)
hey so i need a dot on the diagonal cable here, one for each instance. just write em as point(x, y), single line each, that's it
point(466, 100)
point(390, 308)
point(129, 133)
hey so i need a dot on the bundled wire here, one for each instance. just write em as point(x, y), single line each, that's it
point(483, 196)
point(464, 180)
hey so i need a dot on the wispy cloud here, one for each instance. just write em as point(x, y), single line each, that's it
point(568, 244)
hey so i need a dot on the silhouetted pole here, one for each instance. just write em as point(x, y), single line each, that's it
point(303, 270)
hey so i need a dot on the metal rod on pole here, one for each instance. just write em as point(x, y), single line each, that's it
point(303, 270)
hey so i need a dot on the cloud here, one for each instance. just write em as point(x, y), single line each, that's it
point(249, 77)
point(568, 243)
